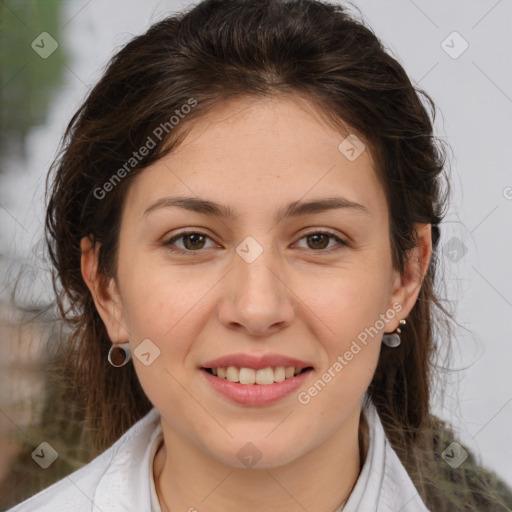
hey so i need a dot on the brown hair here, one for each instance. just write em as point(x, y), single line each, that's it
point(217, 50)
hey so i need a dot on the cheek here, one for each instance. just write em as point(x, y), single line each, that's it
point(352, 308)
point(352, 355)
point(351, 301)
point(158, 301)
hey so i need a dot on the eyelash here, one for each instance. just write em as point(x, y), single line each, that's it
point(169, 243)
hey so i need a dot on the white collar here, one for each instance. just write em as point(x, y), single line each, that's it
point(382, 485)
point(125, 485)
point(120, 478)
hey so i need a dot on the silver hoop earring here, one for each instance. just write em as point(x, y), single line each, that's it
point(392, 339)
point(119, 354)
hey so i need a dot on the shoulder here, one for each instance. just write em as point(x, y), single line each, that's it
point(105, 482)
point(74, 492)
point(468, 484)
point(425, 481)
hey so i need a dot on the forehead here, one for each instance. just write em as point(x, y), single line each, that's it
point(287, 124)
point(260, 151)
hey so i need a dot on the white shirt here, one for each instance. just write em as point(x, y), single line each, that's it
point(121, 478)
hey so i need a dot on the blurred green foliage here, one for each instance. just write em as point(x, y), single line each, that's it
point(27, 81)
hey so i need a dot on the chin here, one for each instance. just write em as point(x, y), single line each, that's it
point(257, 454)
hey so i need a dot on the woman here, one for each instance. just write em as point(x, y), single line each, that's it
point(244, 222)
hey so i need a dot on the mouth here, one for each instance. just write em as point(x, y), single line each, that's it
point(256, 377)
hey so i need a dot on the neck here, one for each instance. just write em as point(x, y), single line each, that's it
point(321, 479)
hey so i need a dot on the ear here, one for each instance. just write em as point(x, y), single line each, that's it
point(406, 285)
point(106, 296)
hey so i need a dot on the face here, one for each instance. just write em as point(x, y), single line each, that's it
point(309, 287)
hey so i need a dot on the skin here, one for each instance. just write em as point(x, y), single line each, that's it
point(297, 298)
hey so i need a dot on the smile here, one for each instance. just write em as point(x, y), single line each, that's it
point(254, 394)
point(261, 376)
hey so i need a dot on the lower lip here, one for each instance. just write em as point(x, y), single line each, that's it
point(256, 394)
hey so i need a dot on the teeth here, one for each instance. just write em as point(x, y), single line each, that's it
point(232, 374)
point(248, 376)
point(279, 374)
point(289, 372)
point(263, 376)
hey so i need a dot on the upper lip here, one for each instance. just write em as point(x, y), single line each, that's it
point(256, 362)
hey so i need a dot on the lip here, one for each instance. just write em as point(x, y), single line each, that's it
point(256, 362)
point(256, 394)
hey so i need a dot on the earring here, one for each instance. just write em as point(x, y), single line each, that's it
point(119, 354)
point(392, 339)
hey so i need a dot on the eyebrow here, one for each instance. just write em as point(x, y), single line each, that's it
point(294, 209)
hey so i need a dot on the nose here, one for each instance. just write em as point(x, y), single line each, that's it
point(255, 298)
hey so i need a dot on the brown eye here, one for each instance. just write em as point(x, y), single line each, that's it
point(193, 241)
point(319, 241)
point(190, 242)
